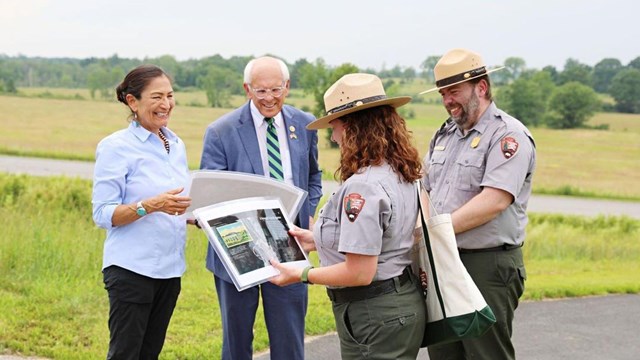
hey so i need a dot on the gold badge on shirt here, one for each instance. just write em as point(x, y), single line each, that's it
point(475, 141)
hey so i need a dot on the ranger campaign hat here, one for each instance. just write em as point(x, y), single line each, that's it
point(458, 66)
point(354, 92)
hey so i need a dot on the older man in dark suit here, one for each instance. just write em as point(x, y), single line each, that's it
point(264, 137)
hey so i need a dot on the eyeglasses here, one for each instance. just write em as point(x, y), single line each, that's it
point(276, 92)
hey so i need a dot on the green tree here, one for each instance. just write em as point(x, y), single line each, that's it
point(168, 63)
point(102, 79)
point(575, 71)
point(394, 72)
point(553, 72)
point(515, 66)
point(7, 79)
point(408, 74)
point(635, 63)
point(571, 105)
point(314, 80)
point(218, 84)
point(526, 98)
point(428, 65)
point(294, 72)
point(603, 73)
point(625, 89)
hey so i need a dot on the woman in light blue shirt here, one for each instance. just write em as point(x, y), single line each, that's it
point(139, 188)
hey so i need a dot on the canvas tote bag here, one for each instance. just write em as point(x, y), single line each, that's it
point(455, 307)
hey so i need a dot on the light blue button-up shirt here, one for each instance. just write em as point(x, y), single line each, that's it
point(132, 165)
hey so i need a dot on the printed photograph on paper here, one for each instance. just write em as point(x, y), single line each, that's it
point(246, 234)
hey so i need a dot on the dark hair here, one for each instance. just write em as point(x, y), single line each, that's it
point(137, 80)
point(488, 94)
point(376, 135)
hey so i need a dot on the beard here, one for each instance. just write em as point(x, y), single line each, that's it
point(468, 109)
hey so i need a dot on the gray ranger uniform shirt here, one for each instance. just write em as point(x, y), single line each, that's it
point(498, 152)
point(372, 213)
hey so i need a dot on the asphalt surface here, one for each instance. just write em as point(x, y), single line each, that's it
point(589, 328)
point(603, 327)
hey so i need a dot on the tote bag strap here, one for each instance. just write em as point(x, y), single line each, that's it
point(427, 241)
point(419, 187)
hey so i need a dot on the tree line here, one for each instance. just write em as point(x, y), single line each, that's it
point(557, 98)
point(568, 98)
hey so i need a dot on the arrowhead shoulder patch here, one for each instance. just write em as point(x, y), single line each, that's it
point(509, 147)
point(353, 204)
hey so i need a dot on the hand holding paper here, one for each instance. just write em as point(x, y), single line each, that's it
point(304, 237)
point(288, 274)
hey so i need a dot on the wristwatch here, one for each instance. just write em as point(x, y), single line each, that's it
point(140, 210)
point(305, 275)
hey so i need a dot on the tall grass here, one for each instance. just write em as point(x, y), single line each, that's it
point(52, 301)
point(581, 238)
point(576, 256)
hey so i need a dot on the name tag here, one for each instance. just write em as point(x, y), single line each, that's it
point(438, 148)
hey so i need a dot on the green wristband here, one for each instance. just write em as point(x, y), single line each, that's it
point(305, 275)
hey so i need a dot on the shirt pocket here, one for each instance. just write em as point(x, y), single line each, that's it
point(436, 165)
point(471, 171)
point(329, 227)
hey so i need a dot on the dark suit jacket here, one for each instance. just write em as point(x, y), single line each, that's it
point(230, 143)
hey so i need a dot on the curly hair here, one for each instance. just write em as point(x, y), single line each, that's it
point(373, 136)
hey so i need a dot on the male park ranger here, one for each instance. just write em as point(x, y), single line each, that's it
point(479, 169)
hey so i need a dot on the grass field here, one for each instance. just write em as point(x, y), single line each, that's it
point(52, 301)
point(573, 162)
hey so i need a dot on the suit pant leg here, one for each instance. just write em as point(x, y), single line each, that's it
point(285, 309)
point(238, 311)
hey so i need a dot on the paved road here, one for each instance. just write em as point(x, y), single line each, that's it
point(592, 328)
point(537, 203)
point(603, 327)
point(585, 328)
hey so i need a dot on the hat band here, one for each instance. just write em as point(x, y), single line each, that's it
point(461, 77)
point(356, 103)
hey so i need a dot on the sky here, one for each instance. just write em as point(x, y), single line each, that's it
point(378, 34)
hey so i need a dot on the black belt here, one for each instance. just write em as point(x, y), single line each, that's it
point(372, 290)
point(503, 247)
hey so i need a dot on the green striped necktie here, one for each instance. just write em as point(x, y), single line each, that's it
point(273, 151)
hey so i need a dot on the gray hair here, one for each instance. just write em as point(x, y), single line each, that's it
point(283, 69)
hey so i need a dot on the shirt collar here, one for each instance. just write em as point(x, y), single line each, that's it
point(143, 134)
point(258, 118)
point(483, 122)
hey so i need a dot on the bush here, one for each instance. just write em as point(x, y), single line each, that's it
point(571, 105)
